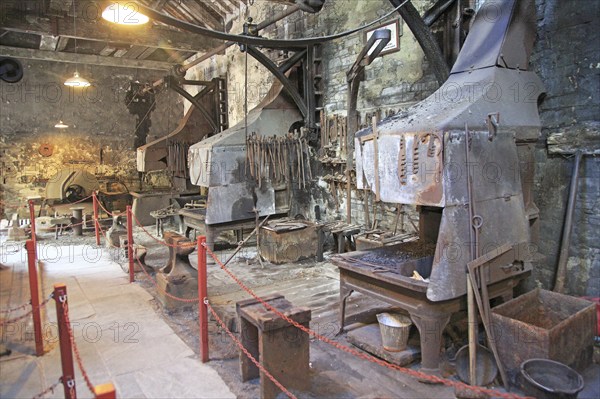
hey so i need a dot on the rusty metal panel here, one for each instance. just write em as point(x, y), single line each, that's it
point(235, 202)
point(289, 245)
point(214, 160)
point(493, 165)
point(502, 35)
point(410, 169)
point(545, 324)
point(468, 98)
point(504, 222)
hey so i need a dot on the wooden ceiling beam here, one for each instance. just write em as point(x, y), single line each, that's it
point(100, 30)
point(207, 10)
point(72, 58)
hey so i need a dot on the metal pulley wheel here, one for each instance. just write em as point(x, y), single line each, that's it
point(74, 193)
point(11, 70)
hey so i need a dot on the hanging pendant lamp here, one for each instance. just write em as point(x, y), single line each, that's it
point(77, 81)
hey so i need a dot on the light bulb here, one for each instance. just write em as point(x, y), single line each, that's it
point(124, 14)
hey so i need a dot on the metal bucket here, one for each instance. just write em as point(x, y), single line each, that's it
point(394, 329)
point(547, 379)
point(486, 365)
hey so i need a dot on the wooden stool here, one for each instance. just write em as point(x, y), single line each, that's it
point(282, 348)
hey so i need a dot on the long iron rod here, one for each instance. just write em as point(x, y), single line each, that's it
point(561, 270)
point(472, 318)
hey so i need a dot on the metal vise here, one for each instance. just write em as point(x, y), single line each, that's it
point(178, 278)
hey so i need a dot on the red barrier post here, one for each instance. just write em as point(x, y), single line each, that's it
point(105, 391)
point(32, 221)
point(64, 339)
point(35, 297)
point(130, 243)
point(96, 223)
point(202, 294)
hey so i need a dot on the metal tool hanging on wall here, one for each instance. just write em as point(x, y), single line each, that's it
point(279, 158)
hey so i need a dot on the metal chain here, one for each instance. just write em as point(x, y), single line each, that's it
point(192, 244)
point(81, 200)
point(413, 373)
point(101, 206)
point(25, 315)
point(47, 390)
point(17, 308)
point(247, 353)
point(75, 349)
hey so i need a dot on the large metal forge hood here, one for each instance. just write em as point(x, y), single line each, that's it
point(219, 162)
point(464, 100)
point(422, 153)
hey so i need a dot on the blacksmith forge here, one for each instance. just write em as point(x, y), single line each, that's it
point(219, 163)
point(464, 157)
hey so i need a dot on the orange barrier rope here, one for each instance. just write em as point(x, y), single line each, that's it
point(51, 388)
point(81, 200)
point(176, 298)
point(247, 353)
point(192, 244)
point(413, 373)
point(103, 208)
point(25, 315)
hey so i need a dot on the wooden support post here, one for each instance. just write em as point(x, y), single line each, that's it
point(64, 339)
point(96, 222)
point(202, 294)
point(32, 224)
point(130, 244)
point(105, 391)
point(376, 158)
point(35, 297)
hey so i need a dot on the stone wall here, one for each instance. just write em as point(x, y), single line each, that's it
point(567, 58)
point(101, 130)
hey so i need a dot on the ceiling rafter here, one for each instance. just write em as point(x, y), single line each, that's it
point(151, 36)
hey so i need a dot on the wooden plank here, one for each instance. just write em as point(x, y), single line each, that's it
point(147, 53)
point(49, 42)
point(98, 29)
point(203, 8)
point(584, 137)
point(120, 52)
point(72, 58)
point(159, 4)
point(62, 43)
point(134, 52)
point(106, 51)
point(224, 6)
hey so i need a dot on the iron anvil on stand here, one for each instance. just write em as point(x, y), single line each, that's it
point(178, 278)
